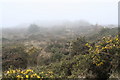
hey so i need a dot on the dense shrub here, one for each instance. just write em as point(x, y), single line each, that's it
point(105, 56)
point(33, 53)
point(94, 60)
point(14, 56)
point(78, 46)
point(28, 73)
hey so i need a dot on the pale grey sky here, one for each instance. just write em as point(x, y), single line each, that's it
point(15, 12)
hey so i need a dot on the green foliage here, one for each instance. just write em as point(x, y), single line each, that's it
point(78, 46)
point(97, 57)
point(56, 57)
point(14, 56)
point(53, 47)
point(32, 52)
point(105, 56)
point(104, 32)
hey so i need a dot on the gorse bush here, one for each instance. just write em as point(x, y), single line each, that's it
point(14, 56)
point(105, 56)
point(84, 60)
point(78, 46)
point(28, 73)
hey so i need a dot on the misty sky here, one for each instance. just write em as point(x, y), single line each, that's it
point(16, 12)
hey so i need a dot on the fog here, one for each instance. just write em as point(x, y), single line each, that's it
point(51, 12)
point(59, 39)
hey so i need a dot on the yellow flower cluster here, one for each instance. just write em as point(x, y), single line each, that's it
point(103, 48)
point(28, 73)
point(87, 44)
point(99, 64)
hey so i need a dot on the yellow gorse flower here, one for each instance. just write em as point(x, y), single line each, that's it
point(28, 73)
point(13, 71)
point(22, 72)
point(27, 76)
point(38, 76)
point(8, 72)
point(18, 76)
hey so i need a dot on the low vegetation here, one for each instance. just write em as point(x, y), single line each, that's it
point(94, 56)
